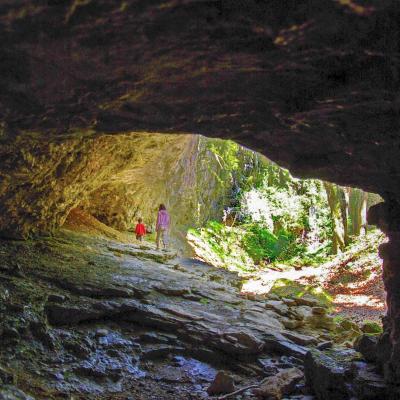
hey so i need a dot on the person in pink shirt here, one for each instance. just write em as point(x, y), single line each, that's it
point(162, 226)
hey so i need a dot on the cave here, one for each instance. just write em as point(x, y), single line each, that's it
point(95, 94)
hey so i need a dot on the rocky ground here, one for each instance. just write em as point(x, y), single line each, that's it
point(84, 317)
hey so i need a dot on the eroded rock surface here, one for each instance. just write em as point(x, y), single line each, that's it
point(115, 178)
point(100, 317)
point(96, 317)
point(341, 375)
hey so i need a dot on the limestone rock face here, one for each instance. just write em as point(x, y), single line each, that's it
point(89, 310)
point(115, 178)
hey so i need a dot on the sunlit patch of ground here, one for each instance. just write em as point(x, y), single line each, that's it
point(360, 307)
point(353, 279)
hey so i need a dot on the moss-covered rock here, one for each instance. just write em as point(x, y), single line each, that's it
point(371, 327)
point(303, 294)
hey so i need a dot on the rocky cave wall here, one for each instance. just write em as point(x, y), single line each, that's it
point(313, 84)
point(116, 178)
point(182, 174)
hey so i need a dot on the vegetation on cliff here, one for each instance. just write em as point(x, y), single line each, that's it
point(270, 217)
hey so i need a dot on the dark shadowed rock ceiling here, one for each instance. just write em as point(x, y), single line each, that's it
point(312, 84)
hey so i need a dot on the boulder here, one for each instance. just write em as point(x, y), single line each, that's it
point(244, 343)
point(368, 384)
point(302, 312)
point(277, 386)
point(278, 306)
point(10, 392)
point(319, 310)
point(289, 302)
point(325, 345)
point(326, 373)
point(298, 338)
point(348, 325)
point(366, 345)
point(281, 345)
point(321, 322)
point(307, 300)
point(291, 323)
point(222, 383)
point(371, 327)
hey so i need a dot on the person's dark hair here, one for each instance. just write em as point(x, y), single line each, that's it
point(162, 207)
point(140, 220)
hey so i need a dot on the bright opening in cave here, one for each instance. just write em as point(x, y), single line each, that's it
point(248, 242)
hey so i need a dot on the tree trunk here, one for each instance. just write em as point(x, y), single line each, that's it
point(363, 214)
point(344, 195)
point(358, 211)
point(333, 194)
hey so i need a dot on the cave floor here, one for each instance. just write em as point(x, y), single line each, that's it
point(93, 318)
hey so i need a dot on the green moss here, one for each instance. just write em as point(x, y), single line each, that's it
point(371, 327)
point(292, 289)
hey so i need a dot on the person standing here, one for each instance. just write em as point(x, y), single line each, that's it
point(162, 226)
point(140, 230)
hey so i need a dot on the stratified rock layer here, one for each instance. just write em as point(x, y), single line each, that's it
point(97, 317)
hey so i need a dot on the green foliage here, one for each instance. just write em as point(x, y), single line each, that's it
point(263, 245)
point(220, 245)
point(260, 244)
point(371, 328)
point(243, 247)
point(277, 218)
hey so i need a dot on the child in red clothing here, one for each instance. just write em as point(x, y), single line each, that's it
point(140, 230)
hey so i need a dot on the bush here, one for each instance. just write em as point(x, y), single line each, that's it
point(260, 243)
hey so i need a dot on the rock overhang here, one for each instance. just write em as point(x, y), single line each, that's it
point(311, 84)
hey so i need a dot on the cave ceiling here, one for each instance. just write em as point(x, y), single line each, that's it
point(312, 84)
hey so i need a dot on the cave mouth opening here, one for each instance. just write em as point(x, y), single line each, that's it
point(234, 209)
point(230, 207)
point(272, 237)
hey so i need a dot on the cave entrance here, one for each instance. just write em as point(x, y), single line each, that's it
point(269, 265)
point(234, 209)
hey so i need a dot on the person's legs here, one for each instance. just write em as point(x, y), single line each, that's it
point(158, 237)
point(165, 238)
